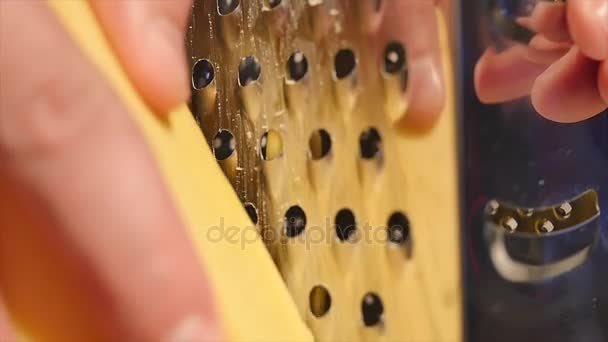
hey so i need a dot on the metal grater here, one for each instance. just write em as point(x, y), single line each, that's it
point(299, 112)
point(361, 218)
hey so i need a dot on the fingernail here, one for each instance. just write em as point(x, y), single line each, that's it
point(192, 329)
point(165, 41)
point(427, 94)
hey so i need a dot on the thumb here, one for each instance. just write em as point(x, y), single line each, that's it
point(148, 37)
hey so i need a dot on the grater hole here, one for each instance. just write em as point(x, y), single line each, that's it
point(319, 301)
point(398, 228)
point(271, 145)
point(345, 63)
point(273, 3)
point(346, 225)
point(377, 5)
point(297, 66)
point(249, 71)
point(202, 74)
point(225, 7)
point(492, 207)
point(294, 221)
point(394, 58)
point(545, 226)
point(224, 144)
point(509, 223)
point(564, 211)
point(370, 143)
point(252, 211)
point(372, 309)
point(319, 144)
point(525, 212)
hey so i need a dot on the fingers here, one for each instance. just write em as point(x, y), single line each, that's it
point(148, 36)
point(6, 333)
point(567, 91)
point(550, 20)
point(588, 23)
point(505, 76)
point(544, 51)
point(89, 232)
point(415, 25)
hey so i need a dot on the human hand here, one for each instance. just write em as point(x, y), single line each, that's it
point(564, 67)
point(82, 202)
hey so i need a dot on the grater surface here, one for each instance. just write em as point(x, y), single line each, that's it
point(360, 217)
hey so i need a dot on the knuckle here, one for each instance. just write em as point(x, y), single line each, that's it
point(54, 112)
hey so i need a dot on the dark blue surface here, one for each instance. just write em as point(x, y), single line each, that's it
point(511, 153)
